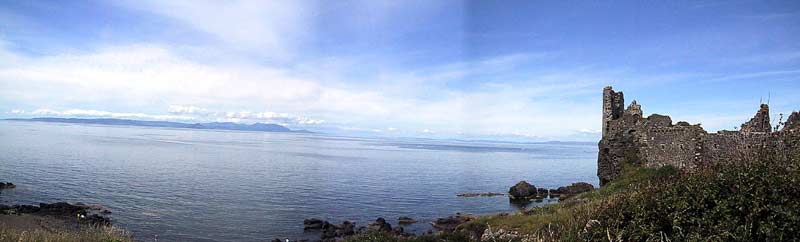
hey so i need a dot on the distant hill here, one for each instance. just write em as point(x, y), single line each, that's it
point(215, 125)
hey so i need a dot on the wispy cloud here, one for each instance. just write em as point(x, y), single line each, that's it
point(275, 28)
point(179, 113)
point(105, 114)
point(283, 118)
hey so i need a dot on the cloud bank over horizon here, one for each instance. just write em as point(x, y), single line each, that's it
point(420, 69)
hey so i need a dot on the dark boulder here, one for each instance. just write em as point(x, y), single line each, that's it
point(346, 229)
point(312, 223)
point(541, 192)
point(575, 189)
point(451, 223)
point(380, 224)
point(328, 230)
point(522, 191)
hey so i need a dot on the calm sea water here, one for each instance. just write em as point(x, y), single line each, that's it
point(201, 185)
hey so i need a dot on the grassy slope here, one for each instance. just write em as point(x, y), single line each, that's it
point(568, 219)
point(24, 228)
point(759, 201)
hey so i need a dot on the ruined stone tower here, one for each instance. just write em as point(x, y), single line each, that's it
point(613, 102)
point(629, 138)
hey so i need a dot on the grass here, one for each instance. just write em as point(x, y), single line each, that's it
point(95, 234)
point(568, 219)
point(757, 201)
point(386, 237)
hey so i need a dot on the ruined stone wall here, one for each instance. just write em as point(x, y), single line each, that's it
point(679, 146)
point(655, 141)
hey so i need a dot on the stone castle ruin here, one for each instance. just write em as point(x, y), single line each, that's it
point(654, 141)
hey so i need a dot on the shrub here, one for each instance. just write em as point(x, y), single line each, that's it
point(758, 201)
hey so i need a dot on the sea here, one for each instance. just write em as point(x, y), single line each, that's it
point(173, 184)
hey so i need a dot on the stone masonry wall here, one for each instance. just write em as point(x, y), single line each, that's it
point(655, 141)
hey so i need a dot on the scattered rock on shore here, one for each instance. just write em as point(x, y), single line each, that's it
point(331, 231)
point(450, 223)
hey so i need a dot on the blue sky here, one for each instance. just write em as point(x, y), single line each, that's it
point(525, 70)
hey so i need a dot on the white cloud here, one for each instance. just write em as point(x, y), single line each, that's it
point(143, 76)
point(16, 111)
point(179, 109)
point(106, 114)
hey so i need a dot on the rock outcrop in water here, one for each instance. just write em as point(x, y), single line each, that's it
point(571, 190)
point(522, 191)
point(483, 194)
point(80, 212)
point(7, 185)
point(312, 223)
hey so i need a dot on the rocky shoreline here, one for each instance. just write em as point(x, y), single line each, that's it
point(81, 213)
point(523, 192)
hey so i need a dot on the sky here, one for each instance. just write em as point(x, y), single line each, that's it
point(496, 70)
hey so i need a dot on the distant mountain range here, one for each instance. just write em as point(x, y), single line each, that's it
point(215, 125)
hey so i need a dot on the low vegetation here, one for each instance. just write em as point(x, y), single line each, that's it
point(94, 234)
point(757, 201)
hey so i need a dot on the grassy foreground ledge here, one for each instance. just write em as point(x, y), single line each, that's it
point(34, 228)
point(758, 201)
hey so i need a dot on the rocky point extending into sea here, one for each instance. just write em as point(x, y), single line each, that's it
point(521, 193)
